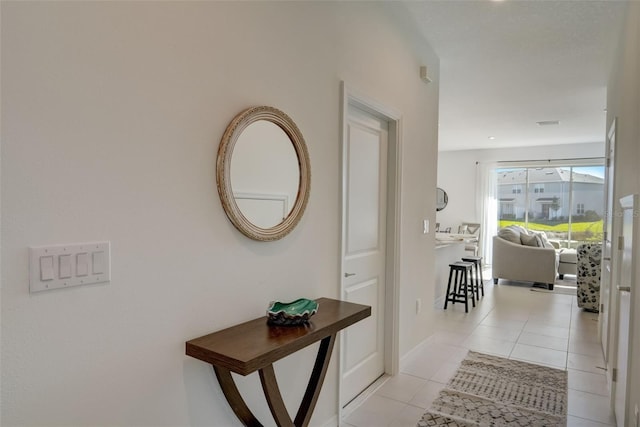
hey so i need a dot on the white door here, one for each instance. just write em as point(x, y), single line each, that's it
point(625, 288)
point(606, 266)
point(364, 243)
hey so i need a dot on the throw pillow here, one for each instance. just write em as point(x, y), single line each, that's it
point(533, 240)
point(510, 234)
point(521, 230)
point(543, 238)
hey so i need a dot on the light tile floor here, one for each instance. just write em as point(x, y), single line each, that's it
point(510, 321)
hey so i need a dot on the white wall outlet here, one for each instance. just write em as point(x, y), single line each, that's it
point(61, 266)
point(425, 226)
point(418, 305)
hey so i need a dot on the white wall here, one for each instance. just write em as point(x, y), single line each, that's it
point(457, 174)
point(623, 103)
point(111, 117)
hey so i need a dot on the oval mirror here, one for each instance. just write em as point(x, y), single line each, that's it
point(263, 173)
point(441, 199)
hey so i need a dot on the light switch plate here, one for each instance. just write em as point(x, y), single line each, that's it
point(94, 265)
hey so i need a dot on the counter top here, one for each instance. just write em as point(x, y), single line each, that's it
point(447, 239)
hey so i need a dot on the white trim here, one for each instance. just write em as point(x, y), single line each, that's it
point(366, 393)
point(332, 422)
point(415, 350)
point(593, 161)
point(350, 96)
point(284, 198)
point(609, 351)
point(628, 202)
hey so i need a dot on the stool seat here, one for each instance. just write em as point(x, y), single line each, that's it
point(461, 265)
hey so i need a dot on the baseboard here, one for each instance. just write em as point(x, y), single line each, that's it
point(419, 346)
point(438, 302)
point(362, 397)
point(333, 422)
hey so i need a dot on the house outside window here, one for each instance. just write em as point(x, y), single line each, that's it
point(507, 210)
point(540, 199)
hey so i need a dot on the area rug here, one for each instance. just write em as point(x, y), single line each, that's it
point(494, 391)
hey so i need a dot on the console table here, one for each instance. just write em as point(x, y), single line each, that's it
point(255, 346)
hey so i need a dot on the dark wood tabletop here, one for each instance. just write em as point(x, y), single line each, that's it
point(252, 345)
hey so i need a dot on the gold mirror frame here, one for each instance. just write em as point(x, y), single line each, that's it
point(223, 172)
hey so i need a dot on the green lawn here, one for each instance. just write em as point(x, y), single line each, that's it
point(591, 231)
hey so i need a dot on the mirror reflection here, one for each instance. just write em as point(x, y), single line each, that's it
point(441, 199)
point(265, 175)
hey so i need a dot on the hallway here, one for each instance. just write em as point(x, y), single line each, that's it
point(510, 321)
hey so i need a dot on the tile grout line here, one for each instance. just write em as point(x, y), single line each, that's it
point(569, 340)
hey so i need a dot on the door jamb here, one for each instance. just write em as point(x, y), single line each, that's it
point(623, 203)
point(611, 310)
point(350, 96)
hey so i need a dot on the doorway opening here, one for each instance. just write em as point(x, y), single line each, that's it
point(370, 247)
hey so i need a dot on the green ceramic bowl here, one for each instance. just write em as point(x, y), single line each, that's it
point(291, 313)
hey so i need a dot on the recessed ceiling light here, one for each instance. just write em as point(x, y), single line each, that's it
point(492, 137)
point(548, 123)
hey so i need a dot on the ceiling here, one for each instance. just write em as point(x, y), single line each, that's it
point(505, 65)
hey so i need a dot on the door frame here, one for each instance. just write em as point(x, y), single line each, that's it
point(350, 96)
point(605, 329)
point(626, 202)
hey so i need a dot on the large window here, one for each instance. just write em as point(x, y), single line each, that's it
point(566, 202)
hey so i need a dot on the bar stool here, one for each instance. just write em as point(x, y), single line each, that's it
point(460, 291)
point(476, 282)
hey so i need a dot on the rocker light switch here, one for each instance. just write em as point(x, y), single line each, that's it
point(98, 262)
point(64, 266)
point(46, 268)
point(82, 264)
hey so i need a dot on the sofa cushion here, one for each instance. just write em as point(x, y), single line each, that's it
point(532, 240)
point(570, 256)
point(512, 233)
point(543, 238)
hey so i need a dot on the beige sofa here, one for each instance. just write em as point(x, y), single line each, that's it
point(521, 262)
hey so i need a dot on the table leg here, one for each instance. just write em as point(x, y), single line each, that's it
point(233, 397)
point(272, 391)
point(274, 398)
point(310, 398)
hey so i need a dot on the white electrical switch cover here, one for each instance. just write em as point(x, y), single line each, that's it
point(61, 266)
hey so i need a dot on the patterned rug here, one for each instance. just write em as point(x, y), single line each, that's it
point(493, 391)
